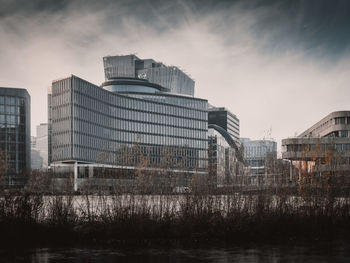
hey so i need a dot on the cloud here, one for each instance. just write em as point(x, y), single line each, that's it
point(244, 56)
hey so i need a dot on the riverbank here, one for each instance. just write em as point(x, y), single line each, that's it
point(36, 220)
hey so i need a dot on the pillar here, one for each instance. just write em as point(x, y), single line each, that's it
point(91, 172)
point(75, 176)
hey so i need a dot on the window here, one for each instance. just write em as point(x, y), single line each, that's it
point(340, 120)
point(343, 133)
point(338, 147)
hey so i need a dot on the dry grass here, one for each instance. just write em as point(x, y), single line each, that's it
point(38, 215)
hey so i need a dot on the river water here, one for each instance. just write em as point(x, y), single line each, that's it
point(329, 252)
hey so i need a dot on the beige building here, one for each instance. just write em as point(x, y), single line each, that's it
point(324, 147)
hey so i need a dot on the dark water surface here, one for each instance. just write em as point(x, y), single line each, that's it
point(335, 252)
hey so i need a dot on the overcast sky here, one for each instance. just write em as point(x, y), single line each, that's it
point(280, 66)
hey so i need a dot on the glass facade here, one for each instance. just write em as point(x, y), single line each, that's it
point(93, 125)
point(40, 148)
point(256, 153)
point(226, 120)
point(223, 162)
point(130, 88)
point(14, 135)
point(171, 77)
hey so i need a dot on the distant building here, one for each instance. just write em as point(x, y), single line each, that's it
point(33, 142)
point(222, 117)
point(35, 159)
point(42, 142)
point(324, 147)
point(14, 136)
point(40, 147)
point(257, 153)
point(130, 66)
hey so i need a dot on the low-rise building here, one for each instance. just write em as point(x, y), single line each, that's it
point(324, 147)
point(257, 153)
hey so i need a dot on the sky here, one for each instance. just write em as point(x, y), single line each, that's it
point(279, 66)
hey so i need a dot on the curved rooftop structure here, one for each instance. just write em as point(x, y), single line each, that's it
point(130, 66)
point(125, 84)
point(227, 137)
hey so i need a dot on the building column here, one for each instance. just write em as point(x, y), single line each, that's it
point(75, 176)
point(91, 172)
point(291, 170)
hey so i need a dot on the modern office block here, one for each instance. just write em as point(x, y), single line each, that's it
point(15, 141)
point(257, 153)
point(225, 119)
point(324, 147)
point(130, 66)
point(124, 123)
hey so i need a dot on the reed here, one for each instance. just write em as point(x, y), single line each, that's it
point(33, 216)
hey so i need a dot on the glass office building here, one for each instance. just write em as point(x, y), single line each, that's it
point(14, 136)
point(225, 119)
point(258, 152)
point(126, 122)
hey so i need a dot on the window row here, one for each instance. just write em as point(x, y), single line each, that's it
point(137, 106)
point(13, 137)
point(125, 137)
point(9, 100)
point(132, 127)
point(12, 119)
point(318, 147)
point(12, 109)
point(12, 147)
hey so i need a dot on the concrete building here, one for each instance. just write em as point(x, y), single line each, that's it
point(225, 119)
point(15, 141)
point(130, 66)
point(324, 147)
point(257, 153)
point(124, 123)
